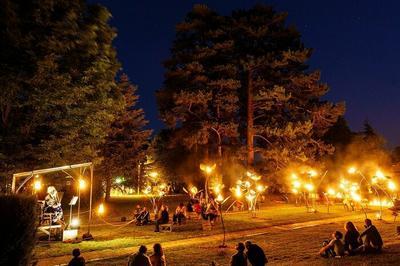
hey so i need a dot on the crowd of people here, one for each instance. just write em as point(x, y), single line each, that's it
point(250, 254)
point(354, 242)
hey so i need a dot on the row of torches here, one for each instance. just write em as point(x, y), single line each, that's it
point(347, 190)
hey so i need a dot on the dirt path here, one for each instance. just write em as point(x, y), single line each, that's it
point(113, 253)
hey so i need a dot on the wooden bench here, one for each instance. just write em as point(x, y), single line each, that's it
point(166, 227)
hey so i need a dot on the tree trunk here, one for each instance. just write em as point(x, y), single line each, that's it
point(250, 119)
point(108, 188)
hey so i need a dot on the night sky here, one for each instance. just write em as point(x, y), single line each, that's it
point(356, 47)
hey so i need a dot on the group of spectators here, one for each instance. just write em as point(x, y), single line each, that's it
point(248, 253)
point(368, 241)
point(141, 259)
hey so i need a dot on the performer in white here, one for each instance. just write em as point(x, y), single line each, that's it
point(53, 205)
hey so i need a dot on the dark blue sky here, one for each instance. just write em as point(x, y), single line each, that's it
point(356, 47)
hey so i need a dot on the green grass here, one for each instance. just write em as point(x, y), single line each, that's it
point(294, 247)
point(110, 237)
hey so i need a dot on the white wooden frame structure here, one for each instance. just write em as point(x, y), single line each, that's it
point(29, 175)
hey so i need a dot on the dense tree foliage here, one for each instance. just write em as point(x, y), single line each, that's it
point(58, 95)
point(127, 139)
point(241, 79)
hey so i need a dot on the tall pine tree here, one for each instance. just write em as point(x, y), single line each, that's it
point(127, 139)
point(199, 97)
point(261, 65)
point(58, 95)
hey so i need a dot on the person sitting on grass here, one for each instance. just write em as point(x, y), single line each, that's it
point(143, 218)
point(163, 217)
point(158, 257)
point(137, 212)
point(180, 213)
point(333, 248)
point(351, 236)
point(255, 254)
point(371, 239)
point(77, 260)
point(197, 208)
point(140, 258)
point(239, 258)
point(189, 205)
point(211, 213)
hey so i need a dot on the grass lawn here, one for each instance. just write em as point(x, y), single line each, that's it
point(114, 237)
point(284, 247)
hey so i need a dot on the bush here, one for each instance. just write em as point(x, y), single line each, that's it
point(17, 229)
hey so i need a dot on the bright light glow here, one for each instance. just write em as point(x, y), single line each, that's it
point(118, 180)
point(70, 235)
point(219, 198)
point(153, 174)
point(82, 184)
point(392, 186)
point(218, 188)
point(352, 170)
point(383, 203)
point(101, 209)
point(355, 196)
point(193, 190)
point(147, 190)
point(295, 191)
point(260, 188)
point(309, 187)
point(253, 176)
point(294, 176)
point(331, 192)
point(250, 197)
point(312, 173)
point(75, 222)
point(296, 184)
point(238, 192)
point(37, 185)
point(207, 168)
point(379, 174)
point(247, 184)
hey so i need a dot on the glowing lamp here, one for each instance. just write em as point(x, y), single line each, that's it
point(193, 190)
point(356, 197)
point(260, 188)
point(82, 184)
point(153, 174)
point(75, 222)
point(296, 184)
point(37, 185)
point(118, 180)
point(238, 192)
point(392, 186)
point(312, 173)
point(331, 192)
point(309, 187)
point(352, 170)
point(379, 174)
point(101, 209)
point(207, 168)
point(219, 198)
